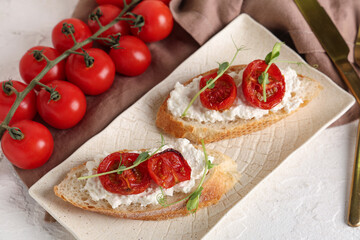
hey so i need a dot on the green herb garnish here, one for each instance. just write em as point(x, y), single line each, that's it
point(269, 59)
point(121, 167)
point(211, 83)
point(193, 202)
point(144, 156)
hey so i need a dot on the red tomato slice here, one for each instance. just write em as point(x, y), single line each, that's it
point(132, 181)
point(168, 168)
point(253, 90)
point(221, 96)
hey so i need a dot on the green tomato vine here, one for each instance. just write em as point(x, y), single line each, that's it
point(134, 20)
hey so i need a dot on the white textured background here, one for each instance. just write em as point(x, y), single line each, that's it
point(304, 198)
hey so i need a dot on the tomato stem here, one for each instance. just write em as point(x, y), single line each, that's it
point(44, 86)
point(102, 38)
point(52, 63)
point(14, 132)
point(78, 53)
point(54, 95)
point(37, 54)
point(95, 16)
point(9, 89)
point(127, 19)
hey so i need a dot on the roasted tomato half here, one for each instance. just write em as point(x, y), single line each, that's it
point(253, 90)
point(168, 168)
point(132, 181)
point(221, 96)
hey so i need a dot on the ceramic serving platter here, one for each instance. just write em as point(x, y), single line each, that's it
point(256, 155)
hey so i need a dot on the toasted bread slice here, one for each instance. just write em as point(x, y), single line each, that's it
point(212, 132)
point(219, 180)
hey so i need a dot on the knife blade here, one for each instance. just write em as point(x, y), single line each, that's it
point(332, 41)
point(335, 46)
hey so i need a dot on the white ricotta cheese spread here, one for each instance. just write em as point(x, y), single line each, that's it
point(182, 95)
point(193, 156)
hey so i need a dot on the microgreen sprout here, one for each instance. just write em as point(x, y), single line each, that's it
point(223, 67)
point(269, 59)
point(121, 167)
point(194, 198)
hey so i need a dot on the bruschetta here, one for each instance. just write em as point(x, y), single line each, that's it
point(126, 195)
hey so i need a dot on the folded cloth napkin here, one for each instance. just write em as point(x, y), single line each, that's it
point(196, 22)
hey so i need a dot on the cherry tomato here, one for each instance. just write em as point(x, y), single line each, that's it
point(65, 112)
point(109, 13)
point(94, 79)
point(168, 168)
point(132, 181)
point(158, 21)
point(222, 96)
point(27, 107)
point(253, 90)
point(132, 58)
point(118, 3)
point(30, 66)
point(33, 150)
point(63, 42)
point(166, 2)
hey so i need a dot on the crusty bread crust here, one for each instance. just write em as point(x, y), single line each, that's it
point(212, 132)
point(219, 180)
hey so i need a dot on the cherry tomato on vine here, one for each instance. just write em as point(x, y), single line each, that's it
point(27, 107)
point(253, 90)
point(93, 79)
point(118, 3)
point(132, 181)
point(222, 95)
point(32, 63)
point(166, 2)
point(158, 21)
point(132, 58)
point(107, 14)
point(64, 112)
point(168, 168)
point(63, 41)
point(33, 150)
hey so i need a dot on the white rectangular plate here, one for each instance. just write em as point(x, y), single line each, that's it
point(257, 154)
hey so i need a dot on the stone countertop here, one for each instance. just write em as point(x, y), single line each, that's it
point(305, 198)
